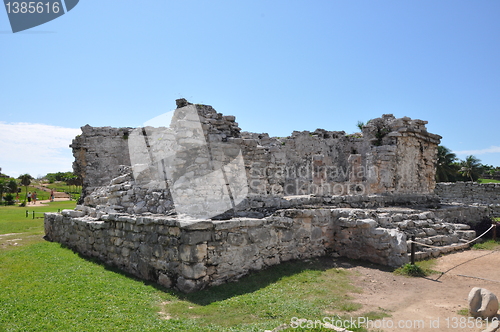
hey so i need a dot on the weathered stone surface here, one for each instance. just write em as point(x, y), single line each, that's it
point(186, 285)
point(193, 271)
point(310, 194)
point(482, 303)
point(164, 280)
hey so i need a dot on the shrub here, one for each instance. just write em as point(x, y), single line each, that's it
point(411, 271)
point(9, 199)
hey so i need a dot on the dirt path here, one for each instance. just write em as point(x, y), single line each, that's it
point(418, 304)
point(44, 202)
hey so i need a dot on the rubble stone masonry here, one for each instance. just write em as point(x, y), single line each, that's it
point(310, 194)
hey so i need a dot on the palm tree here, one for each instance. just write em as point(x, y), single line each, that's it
point(25, 181)
point(471, 168)
point(446, 170)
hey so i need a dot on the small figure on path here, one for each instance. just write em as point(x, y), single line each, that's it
point(34, 198)
point(29, 197)
point(52, 195)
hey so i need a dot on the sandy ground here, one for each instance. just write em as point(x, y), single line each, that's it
point(432, 303)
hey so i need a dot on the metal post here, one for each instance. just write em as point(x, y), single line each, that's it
point(27, 213)
point(413, 250)
point(33, 214)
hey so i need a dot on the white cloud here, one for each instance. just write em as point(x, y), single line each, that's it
point(491, 149)
point(35, 148)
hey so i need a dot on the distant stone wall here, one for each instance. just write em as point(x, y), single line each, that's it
point(484, 194)
point(469, 192)
point(460, 213)
point(192, 255)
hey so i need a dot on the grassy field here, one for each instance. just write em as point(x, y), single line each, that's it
point(63, 187)
point(46, 286)
point(487, 181)
point(13, 218)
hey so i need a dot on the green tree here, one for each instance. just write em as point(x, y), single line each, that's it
point(471, 168)
point(25, 181)
point(12, 186)
point(73, 180)
point(4, 187)
point(446, 168)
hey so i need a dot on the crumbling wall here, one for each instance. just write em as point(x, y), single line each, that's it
point(192, 255)
point(100, 153)
point(391, 156)
point(310, 194)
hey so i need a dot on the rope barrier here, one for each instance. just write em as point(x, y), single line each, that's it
point(443, 273)
point(466, 243)
point(36, 212)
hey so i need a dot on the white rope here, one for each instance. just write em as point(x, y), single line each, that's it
point(466, 243)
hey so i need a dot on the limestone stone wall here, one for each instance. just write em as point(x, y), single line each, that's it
point(187, 255)
point(471, 193)
point(99, 153)
point(190, 255)
point(390, 156)
point(124, 196)
point(310, 194)
point(463, 213)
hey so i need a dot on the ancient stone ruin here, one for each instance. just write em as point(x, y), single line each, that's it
point(199, 202)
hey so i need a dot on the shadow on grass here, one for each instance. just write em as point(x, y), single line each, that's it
point(249, 283)
point(257, 280)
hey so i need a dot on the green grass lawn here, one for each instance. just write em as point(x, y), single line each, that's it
point(487, 245)
point(46, 286)
point(63, 187)
point(487, 181)
point(13, 218)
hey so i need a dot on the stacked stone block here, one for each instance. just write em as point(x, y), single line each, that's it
point(191, 255)
point(310, 194)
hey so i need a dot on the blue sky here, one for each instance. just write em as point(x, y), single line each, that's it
point(278, 66)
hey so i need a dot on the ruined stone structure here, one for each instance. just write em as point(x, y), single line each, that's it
point(391, 156)
point(311, 194)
